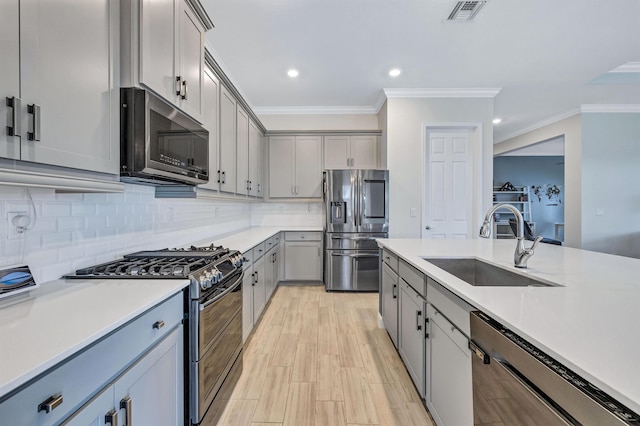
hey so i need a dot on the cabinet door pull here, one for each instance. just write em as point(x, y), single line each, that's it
point(218, 176)
point(418, 324)
point(127, 405)
point(184, 93)
point(426, 328)
point(50, 404)
point(111, 417)
point(393, 292)
point(158, 325)
point(13, 127)
point(34, 110)
point(178, 86)
point(259, 189)
point(253, 279)
point(224, 178)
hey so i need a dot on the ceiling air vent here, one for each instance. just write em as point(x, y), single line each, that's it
point(465, 11)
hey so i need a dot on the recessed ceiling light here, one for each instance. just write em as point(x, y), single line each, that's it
point(497, 120)
point(292, 73)
point(394, 72)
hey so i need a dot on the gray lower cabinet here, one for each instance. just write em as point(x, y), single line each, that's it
point(449, 372)
point(303, 256)
point(149, 392)
point(259, 288)
point(411, 339)
point(389, 301)
point(142, 361)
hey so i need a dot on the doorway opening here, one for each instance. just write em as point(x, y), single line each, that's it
point(538, 171)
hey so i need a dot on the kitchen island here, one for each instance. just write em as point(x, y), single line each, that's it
point(588, 322)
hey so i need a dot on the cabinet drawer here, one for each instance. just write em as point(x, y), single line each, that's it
point(450, 305)
point(259, 251)
point(390, 259)
point(79, 378)
point(302, 236)
point(413, 277)
point(248, 259)
point(270, 243)
point(453, 332)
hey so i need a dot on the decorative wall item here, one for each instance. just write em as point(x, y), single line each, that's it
point(552, 192)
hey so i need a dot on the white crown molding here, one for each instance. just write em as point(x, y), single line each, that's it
point(612, 108)
point(540, 125)
point(316, 110)
point(382, 98)
point(442, 93)
point(225, 69)
point(628, 67)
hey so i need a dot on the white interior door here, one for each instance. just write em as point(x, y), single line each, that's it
point(448, 186)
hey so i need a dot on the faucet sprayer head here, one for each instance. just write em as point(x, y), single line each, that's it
point(485, 230)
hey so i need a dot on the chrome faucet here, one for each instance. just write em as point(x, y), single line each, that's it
point(522, 254)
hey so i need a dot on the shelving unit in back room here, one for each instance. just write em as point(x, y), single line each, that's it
point(520, 199)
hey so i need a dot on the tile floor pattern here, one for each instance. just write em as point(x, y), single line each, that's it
point(319, 358)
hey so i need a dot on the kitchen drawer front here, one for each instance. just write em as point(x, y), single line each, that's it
point(79, 378)
point(450, 305)
point(453, 332)
point(390, 259)
point(248, 259)
point(259, 251)
point(303, 236)
point(270, 243)
point(413, 277)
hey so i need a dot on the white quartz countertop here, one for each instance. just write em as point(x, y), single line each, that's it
point(40, 329)
point(51, 323)
point(589, 323)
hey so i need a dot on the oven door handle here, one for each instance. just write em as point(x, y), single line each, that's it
point(224, 293)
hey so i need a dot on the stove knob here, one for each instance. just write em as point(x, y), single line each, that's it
point(219, 275)
point(202, 282)
point(207, 282)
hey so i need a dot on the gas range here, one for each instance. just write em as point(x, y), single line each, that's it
point(208, 268)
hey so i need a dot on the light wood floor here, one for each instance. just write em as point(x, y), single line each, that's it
point(319, 358)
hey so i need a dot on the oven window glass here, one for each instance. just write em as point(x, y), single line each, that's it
point(175, 145)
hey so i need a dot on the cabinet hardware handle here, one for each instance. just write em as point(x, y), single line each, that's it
point(178, 86)
point(111, 417)
point(427, 227)
point(418, 314)
point(50, 404)
point(259, 188)
point(393, 291)
point(250, 185)
point(13, 127)
point(158, 325)
point(218, 176)
point(253, 279)
point(127, 405)
point(34, 110)
point(224, 178)
point(426, 327)
point(185, 93)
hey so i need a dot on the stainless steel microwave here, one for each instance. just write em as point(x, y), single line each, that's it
point(159, 144)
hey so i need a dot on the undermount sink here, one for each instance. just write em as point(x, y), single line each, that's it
point(480, 273)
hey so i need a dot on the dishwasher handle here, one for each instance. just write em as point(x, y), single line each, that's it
point(477, 351)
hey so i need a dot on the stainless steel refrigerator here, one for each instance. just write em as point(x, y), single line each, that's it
point(356, 212)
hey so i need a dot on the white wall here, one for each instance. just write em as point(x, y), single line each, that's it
point(611, 183)
point(319, 121)
point(407, 119)
point(571, 129)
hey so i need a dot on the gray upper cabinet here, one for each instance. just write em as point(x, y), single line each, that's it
point(295, 166)
point(166, 51)
point(211, 99)
point(242, 151)
point(63, 85)
point(255, 160)
point(227, 171)
point(351, 152)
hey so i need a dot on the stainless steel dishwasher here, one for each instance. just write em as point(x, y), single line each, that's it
point(516, 383)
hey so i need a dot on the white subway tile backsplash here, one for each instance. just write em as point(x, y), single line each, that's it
point(57, 209)
point(79, 230)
